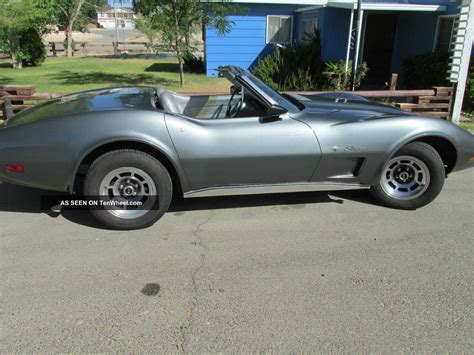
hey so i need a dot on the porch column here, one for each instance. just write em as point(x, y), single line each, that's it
point(355, 62)
point(357, 46)
point(460, 75)
point(349, 40)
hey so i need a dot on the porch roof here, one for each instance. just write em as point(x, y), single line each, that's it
point(279, 2)
point(386, 6)
point(376, 6)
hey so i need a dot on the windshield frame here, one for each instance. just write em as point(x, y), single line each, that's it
point(271, 97)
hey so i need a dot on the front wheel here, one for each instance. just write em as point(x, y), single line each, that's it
point(136, 188)
point(410, 179)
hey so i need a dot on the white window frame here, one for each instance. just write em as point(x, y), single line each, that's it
point(267, 40)
point(437, 30)
point(316, 27)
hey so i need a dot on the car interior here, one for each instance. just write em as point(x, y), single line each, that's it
point(237, 104)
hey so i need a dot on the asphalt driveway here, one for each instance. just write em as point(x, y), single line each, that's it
point(301, 272)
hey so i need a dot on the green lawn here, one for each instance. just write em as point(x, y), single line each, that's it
point(467, 125)
point(63, 75)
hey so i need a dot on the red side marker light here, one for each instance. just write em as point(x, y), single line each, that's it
point(15, 168)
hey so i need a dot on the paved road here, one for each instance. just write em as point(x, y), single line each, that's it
point(317, 272)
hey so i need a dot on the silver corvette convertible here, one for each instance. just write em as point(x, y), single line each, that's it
point(136, 146)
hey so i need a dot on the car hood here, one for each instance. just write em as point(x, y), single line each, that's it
point(345, 107)
point(117, 98)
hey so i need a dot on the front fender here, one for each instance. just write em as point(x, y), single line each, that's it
point(460, 139)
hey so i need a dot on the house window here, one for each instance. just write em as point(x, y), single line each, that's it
point(308, 28)
point(279, 29)
point(444, 33)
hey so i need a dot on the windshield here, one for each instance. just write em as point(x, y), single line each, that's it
point(272, 95)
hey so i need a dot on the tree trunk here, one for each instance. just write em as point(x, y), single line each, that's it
point(69, 41)
point(181, 64)
point(16, 63)
point(204, 39)
point(14, 45)
point(177, 43)
point(187, 43)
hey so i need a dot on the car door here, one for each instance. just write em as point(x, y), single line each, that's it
point(241, 151)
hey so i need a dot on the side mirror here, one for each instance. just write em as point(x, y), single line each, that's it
point(275, 111)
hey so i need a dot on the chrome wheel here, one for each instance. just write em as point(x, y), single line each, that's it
point(131, 189)
point(405, 178)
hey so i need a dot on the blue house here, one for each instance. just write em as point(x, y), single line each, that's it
point(390, 31)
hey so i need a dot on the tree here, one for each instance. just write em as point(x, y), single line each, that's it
point(145, 25)
point(75, 15)
point(177, 20)
point(69, 12)
point(22, 23)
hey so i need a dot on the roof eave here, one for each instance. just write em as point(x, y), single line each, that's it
point(378, 6)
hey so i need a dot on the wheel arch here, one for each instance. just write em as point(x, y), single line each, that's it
point(443, 146)
point(179, 181)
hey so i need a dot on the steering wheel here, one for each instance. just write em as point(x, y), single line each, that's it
point(233, 110)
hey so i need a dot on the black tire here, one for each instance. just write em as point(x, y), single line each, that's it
point(126, 158)
point(427, 155)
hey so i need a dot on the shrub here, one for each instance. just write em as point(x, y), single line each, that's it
point(33, 51)
point(426, 70)
point(193, 64)
point(468, 104)
point(296, 67)
point(337, 78)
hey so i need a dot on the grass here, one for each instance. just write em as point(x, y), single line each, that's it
point(63, 75)
point(467, 125)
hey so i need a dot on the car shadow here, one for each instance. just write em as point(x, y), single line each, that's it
point(27, 200)
point(362, 196)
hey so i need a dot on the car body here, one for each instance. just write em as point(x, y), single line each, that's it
point(254, 140)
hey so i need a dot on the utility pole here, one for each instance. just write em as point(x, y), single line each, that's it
point(355, 53)
point(123, 24)
point(116, 27)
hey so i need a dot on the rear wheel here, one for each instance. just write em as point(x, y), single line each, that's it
point(410, 179)
point(137, 185)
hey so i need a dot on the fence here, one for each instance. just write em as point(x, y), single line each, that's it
point(15, 98)
point(434, 102)
point(85, 48)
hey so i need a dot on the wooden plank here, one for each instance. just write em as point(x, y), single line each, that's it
point(432, 113)
point(17, 90)
point(38, 97)
point(434, 98)
point(443, 88)
point(422, 106)
point(393, 82)
point(443, 93)
point(396, 93)
point(17, 108)
point(374, 93)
